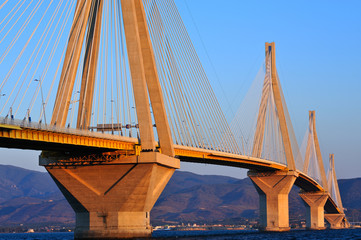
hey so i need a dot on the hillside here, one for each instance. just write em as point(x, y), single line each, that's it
point(212, 199)
point(32, 197)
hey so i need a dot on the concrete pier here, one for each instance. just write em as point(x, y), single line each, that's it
point(273, 189)
point(315, 202)
point(113, 200)
point(335, 220)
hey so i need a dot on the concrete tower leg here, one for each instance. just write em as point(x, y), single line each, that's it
point(273, 189)
point(335, 220)
point(113, 200)
point(315, 203)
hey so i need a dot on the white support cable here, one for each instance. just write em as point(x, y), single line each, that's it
point(111, 67)
point(10, 13)
point(2, 5)
point(43, 37)
point(159, 45)
point(212, 132)
point(54, 50)
point(17, 19)
point(55, 46)
point(31, 79)
point(118, 66)
point(14, 65)
point(162, 73)
point(202, 87)
point(22, 28)
point(190, 90)
point(186, 90)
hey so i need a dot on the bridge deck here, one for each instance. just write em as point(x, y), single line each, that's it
point(40, 137)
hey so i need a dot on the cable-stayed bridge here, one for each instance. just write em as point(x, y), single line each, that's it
point(132, 102)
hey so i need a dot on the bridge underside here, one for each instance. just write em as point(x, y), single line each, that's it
point(78, 146)
point(228, 162)
point(61, 141)
point(56, 147)
point(307, 184)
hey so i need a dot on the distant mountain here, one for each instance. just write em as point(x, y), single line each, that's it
point(350, 190)
point(193, 198)
point(32, 197)
point(18, 182)
point(28, 196)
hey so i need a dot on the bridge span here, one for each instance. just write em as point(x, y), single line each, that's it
point(133, 100)
point(104, 148)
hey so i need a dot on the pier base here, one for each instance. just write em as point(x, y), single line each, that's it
point(315, 202)
point(273, 189)
point(112, 200)
point(335, 220)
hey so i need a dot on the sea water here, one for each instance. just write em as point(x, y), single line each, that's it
point(213, 235)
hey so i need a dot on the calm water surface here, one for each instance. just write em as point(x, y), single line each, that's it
point(213, 235)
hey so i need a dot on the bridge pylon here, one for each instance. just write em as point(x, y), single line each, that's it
point(336, 220)
point(314, 201)
point(273, 187)
point(112, 199)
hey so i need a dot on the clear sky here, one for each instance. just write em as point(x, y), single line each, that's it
point(318, 54)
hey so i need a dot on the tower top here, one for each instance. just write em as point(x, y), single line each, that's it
point(271, 47)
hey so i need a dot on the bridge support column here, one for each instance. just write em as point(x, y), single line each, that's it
point(315, 202)
point(335, 220)
point(113, 200)
point(273, 189)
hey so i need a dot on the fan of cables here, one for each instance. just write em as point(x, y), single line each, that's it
point(35, 36)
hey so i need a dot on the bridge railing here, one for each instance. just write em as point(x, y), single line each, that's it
point(52, 128)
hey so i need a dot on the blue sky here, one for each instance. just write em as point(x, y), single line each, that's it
point(318, 54)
